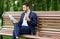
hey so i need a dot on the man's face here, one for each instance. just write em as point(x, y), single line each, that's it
point(25, 8)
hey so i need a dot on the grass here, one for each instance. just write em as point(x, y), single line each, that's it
point(7, 37)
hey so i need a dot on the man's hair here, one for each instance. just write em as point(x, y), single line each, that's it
point(27, 4)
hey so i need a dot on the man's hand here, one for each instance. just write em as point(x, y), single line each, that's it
point(27, 17)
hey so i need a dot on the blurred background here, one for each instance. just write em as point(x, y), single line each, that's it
point(36, 5)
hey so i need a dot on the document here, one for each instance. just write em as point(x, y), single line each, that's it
point(12, 18)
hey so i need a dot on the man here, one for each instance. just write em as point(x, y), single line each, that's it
point(28, 21)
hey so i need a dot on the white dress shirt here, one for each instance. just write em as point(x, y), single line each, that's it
point(24, 21)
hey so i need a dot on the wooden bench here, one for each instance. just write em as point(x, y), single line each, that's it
point(48, 26)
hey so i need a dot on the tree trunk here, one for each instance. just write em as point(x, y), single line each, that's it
point(8, 5)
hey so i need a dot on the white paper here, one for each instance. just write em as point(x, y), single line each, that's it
point(12, 18)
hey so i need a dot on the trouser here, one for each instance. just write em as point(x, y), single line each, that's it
point(20, 30)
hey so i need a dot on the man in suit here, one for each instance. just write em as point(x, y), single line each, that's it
point(27, 23)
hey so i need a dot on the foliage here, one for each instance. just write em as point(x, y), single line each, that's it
point(36, 5)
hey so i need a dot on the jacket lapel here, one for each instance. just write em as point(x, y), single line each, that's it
point(23, 15)
point(30, 15)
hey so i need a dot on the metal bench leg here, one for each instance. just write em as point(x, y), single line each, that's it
point(1, 37)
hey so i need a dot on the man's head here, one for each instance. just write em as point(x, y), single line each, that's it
point(26, 6)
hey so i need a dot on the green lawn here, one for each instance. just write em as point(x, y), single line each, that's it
point(7, 37)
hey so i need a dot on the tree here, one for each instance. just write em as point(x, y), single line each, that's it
point(1, 7)
point(36, 5)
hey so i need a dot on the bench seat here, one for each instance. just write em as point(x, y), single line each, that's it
point(48, 26)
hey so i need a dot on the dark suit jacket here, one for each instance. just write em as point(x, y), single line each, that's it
point(32, 23)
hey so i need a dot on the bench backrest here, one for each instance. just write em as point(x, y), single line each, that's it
point(46, 19)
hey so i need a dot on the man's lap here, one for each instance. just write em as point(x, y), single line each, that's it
point(24, 30)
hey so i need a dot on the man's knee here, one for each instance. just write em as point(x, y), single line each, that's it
point(16, 27)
